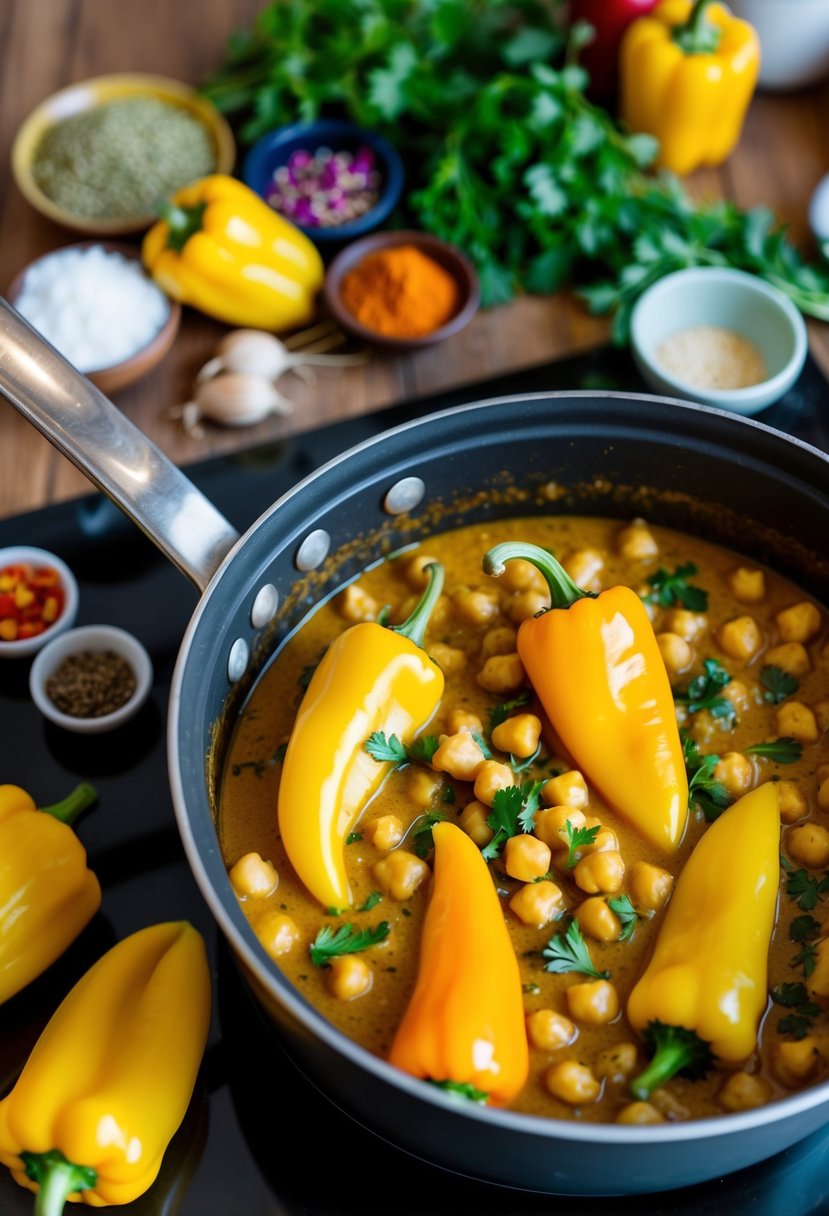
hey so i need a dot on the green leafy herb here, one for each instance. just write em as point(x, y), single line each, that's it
point(371, 901)
point(669, 589)
point(344, 940)
point(423, 749)
point(805, 889)
point(627, 914)
point(513, 810)
point(422, 840)
point(485, 752)
point(520, 765)
point(777, 683)
point(353, 837)
point(704, 790)
point(500, 713)
point(463, 1090)
point(704, 692)
point(783, 751)
point(570, 953)
point(391, 750)
point(795, 997)
point(576, 839)
point(805, 930)
point(448, 795)
point(260, 767)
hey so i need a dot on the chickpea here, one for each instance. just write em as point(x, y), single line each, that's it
point(450, 659)
point(473, 820)
point(423, 786)
point(747, 586)
point(600, 872)
point(500, 640)
point(669, 1106)
point(809, 844)
point(521, 575)
point(526, 858)
point(354, 604)
point(567, 789)
point(400, 874)
point(549, 1031)
point(585, 567)
point(689, 625)
point(636, 542)
point(650, 886)
point(526, 604)
point(460, 756)
point(538, 903)
point(617, 1062)
point(818, 981)
point(490, 778)
point(737, 693)
point(800, 622)
point(502, 674)
point(795, 720)
point(821, 709)
point(792, 802)
point(796, 1061)
point(744, 1091)
point(252, 877)
point(385, 832)
point(475, 606)
point(605, 840)
point(278, 933)
point(740, 638)
point(572, 1083)
point(677, 655)
point(415, 572)
point(349, 977)
point(823, 794)
point(736, 772)
point(548, 825)
point(639, 1113)
point(822, 772)
point(518, 735)
point(791, 657)
point(462, 719)
point(597, 920)
point(595, 1002)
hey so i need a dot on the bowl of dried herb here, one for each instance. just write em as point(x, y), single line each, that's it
point(96, 157)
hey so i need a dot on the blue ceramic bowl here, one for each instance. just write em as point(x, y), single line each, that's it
point(275, 148)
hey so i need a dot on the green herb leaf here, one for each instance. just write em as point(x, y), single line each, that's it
point(353, 837)
point(627, 914)
point(704, 692)
point(570, 953)
point(422, 840)
point(782, 751)
point(500, 713)
point(513, 811)
point(385, 750)
point(805, 889)
point(576, 839)
point(777, 683)
point(520, 765)
point(669, 589)
point(485, 752)
point(372, 901)
point(344, 940)
point(804, 929)
point(704, 790)
point(423, 749)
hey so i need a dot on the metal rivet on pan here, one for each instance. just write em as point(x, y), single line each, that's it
point(237, 661)
point(264, 606)
point(313, 550)
point(404, 495)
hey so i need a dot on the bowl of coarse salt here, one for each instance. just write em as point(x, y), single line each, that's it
point(95, 303)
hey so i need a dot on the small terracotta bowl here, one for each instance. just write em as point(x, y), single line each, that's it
point(118, 375)
point(447, 256)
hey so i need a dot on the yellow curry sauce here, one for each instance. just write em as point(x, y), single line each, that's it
point(754, 621)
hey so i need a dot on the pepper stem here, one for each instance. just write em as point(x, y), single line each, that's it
point(563, 591)
point(57, 1179)
point(183, 222)
point(698, 35)
point(414, 627)
point(67, 811)
point(676, 1049)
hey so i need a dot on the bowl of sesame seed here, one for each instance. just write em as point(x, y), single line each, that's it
point(332, 179)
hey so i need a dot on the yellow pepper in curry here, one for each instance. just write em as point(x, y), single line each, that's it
point(110, 1079)
point(47, 893)
point(595, 666)
point(687, 75)
point(372, 678)
point(705, 988)
point(464, 1025)
point(220, 248)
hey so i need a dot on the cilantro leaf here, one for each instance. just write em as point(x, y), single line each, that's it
point(423, 842)
point(500, 713)
point(485, 752)
point(344, 940)
point(521, 764)
point(795, 997)
point(804, 928)
point(570, 953)
point(576, 838)
point(391, 750)
point(782, 751)
point(372, 900)
point(704, 692)
point(669, 589)
point(704, 790)
point(423, 749)
point(805, 889)
point(513, 811)
point(627, 914)
point(777, 683)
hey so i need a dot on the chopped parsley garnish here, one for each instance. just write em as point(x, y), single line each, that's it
point(463, 1090)
point(513, 810)
point(344, 940)
point(704, 692)
point(783, 751)
point(260, 767)
point(448, 795)
point(627, 914)
point(777, 683)
point(520, 764)
point(353, 837)
point(704, 790)
point(795, 997)
point(372, 901)
point(805, 889)
point(669, 589)
point(485, 752)
point(569, 952)
point(391, 750)
point(576, 839)
point(422, 841)
point(500, 713)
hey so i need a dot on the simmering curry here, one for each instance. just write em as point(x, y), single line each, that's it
point(541, 859)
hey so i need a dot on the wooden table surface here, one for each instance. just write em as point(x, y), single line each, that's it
point(47, 44)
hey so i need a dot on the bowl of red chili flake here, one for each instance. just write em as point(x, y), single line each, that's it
point(38, 599)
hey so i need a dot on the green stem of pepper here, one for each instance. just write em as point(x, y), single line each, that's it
point(563, 591)
point(57, 1179)
point(68, 810)
point(414, 627)
point(182, 222)
point(698, 35)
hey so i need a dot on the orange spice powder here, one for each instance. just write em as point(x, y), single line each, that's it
point(400, 292)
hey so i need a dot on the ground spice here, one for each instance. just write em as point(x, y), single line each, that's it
point(400, 293)
point(91, 684)
point(708, 356)
point(118, 158)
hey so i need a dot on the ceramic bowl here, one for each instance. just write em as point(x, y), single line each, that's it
point(118, 375)
point(16, 554)
point(794, 40)
point(93, 638)
point(84, 96)
point(275, 149)
point(445, 255)
point(727, 299)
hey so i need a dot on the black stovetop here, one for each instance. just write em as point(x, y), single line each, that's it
point(259, 1139)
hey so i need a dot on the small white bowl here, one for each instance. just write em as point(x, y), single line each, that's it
point(94, 638)
point(11, 556)
point(727, 299)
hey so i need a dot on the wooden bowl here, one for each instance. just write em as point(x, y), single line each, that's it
point(84, 96)
point(118, 375)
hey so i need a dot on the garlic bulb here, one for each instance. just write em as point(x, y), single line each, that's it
point(255, 352)
point(232, 399)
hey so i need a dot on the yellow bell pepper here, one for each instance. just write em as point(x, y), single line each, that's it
point(705, 988)
point(109, 1080)
point(687, 75)
point(464, 1025)
point(595, 666)
point(220, 248)
point(372, 678)
point(47, 893)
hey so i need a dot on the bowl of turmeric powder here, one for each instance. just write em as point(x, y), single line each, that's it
point(401, 290)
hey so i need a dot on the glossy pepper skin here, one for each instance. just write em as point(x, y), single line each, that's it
point(109, 1080)
point(687, 75)
point(708, 973)
point(595, 666)
point(465, 1020)
point(47, 892)
point(220, 248)
point(371, 678)
point(600, 58)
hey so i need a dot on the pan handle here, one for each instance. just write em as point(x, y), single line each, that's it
point(110, 450)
